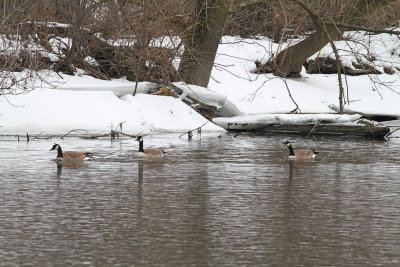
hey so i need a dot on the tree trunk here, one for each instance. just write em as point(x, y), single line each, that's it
point(201, 46)
point(75, 35)
point(289, 62)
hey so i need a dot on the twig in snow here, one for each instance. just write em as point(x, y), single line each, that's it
point(291, 97)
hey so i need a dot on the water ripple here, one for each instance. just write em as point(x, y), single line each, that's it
point(221, 200)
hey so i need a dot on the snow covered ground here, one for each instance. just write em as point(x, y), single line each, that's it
point(314, 93)
point(54, 111)
point(83, 102)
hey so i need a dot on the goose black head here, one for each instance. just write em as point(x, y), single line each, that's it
point(55, 147)
point(139, 138)
point(287, 143)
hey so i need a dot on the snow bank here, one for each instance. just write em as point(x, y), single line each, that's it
point(53, 111)
point(83, 102)
point(82, 82)
point(316, 93)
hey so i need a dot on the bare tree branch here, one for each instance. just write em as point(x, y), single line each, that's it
point(359, 28)
point(248, 3)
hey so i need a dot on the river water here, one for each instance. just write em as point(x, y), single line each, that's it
point(224, 200)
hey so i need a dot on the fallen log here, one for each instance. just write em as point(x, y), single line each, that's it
point(327, 129)
point(359, 127)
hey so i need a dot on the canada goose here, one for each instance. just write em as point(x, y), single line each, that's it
point(70, 155)
point(300, 154)
point(149, 152)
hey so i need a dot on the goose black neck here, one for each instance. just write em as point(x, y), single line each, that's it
point(291, 151)
point(141, 146)
point(59, 152)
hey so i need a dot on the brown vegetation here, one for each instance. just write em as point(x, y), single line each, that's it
point(112, 39)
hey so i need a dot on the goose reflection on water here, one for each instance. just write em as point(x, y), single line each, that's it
point(69, 165)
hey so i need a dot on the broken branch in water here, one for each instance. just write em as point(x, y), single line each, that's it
point(39, 136)
point(74, 130)
point(133, 136)
point(313, 128)
point(198, 128)
point(386, 136)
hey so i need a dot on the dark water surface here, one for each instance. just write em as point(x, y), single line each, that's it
point(221, 201)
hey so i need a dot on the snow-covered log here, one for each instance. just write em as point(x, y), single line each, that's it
point(333, 124)
point(224, 106)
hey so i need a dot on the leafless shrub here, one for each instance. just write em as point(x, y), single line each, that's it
point(20, 60)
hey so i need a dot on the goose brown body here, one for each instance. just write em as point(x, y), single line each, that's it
point(73, 155)
point(304, 153)
point(149, 152)
point(70, 155)
point(300, 153)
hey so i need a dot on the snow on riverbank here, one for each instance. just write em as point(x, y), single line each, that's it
point(59, 111)
point(313, 93)
point(83, 102)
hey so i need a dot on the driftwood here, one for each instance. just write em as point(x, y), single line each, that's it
point(392, 132)
point(198, 129)
point(73, 133)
